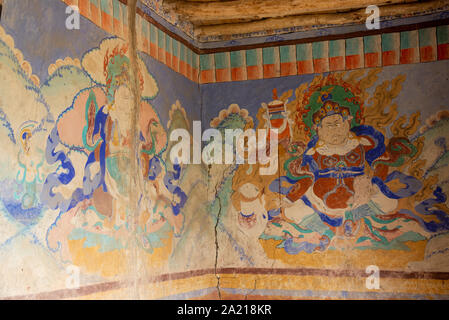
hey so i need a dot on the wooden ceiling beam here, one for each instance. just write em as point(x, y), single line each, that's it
point(356, 16)
point(206, 0)
point(208, 12)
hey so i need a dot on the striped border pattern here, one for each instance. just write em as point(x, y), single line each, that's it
point(440, 280)
point(112, 16)
point(415, 46)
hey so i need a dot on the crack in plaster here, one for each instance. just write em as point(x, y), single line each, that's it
point(217, 248)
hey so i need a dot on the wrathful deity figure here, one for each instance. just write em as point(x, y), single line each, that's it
point(341, 176)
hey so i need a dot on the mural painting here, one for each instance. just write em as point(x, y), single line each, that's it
point(352, 173)
point(72, 157)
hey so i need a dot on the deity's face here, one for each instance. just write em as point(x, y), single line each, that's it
point(334, 130)
point(122, 95)
point(121, 109)
point(26, 137)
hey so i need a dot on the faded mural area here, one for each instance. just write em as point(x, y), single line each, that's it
point(362, 178)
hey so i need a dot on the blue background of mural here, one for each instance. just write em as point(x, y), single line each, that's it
point(51, 40)
point(250, 94)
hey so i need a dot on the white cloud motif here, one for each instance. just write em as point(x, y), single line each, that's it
point(92, 62)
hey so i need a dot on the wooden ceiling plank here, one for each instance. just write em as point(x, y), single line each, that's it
point(259, 9)
point(356, 16)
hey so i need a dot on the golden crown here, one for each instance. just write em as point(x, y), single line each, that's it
point(329, 108)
